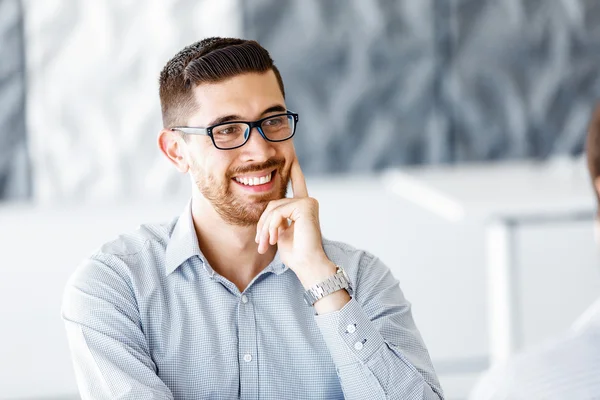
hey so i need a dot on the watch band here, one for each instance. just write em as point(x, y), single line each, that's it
point(330, 285)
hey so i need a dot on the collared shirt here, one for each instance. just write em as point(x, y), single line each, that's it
point(567, 368)
point(147, 317)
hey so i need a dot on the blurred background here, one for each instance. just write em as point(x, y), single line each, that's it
point(445, 136)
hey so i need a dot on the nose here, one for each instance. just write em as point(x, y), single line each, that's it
point(257, 148)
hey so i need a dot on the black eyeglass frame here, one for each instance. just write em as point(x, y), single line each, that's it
point(188, 130)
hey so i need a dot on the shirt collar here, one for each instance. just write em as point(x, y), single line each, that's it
point(276, 266)
point(183, 245)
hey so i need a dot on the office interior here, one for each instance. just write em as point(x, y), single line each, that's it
point(445, 136)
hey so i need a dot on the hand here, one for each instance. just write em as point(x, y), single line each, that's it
point(299, 241)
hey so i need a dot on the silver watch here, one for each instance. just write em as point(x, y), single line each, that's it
point(330, 285)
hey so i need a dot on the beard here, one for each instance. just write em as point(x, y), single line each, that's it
point(238, 209)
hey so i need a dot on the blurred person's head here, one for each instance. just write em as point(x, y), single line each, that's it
point(593, 160)
point(219, 80)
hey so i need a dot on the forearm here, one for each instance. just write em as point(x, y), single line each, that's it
point(333, 302)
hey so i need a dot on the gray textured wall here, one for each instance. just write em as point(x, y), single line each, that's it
point(522, 76)
point(363, 75)
point(382, 83)
point(15, 177)
point(377, 83)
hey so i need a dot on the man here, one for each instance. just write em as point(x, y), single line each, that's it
point(239, 297)
point(564, 368)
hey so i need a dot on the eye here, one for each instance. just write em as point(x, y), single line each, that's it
point(227, 130)
point(273, 122)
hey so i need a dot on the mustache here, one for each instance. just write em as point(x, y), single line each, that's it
point(269, 164)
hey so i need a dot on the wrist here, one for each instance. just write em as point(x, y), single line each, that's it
point(316, 272)
point(329, 294)
point(332, 303)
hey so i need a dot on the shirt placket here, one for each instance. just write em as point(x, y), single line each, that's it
point(248, 355)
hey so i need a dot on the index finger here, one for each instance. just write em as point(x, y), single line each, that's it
point(298, 181)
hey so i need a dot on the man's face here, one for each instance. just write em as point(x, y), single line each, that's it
point(220, 174)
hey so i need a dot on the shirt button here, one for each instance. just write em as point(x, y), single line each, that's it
point(351, 329)
point(244, 299)
point(358, 346)
point(248, 357)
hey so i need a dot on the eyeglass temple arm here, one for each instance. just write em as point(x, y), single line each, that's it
point(191, 131)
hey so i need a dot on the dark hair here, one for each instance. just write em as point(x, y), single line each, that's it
point(593, 150)
point(210, 60)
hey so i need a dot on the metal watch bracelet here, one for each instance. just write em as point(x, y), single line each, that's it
point(330, 285)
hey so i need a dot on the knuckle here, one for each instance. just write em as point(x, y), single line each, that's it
point(275, 218)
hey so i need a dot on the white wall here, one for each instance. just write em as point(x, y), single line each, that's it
point(560, 276)
point(93, 111)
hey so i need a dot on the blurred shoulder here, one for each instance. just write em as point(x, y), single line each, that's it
point(560, 366)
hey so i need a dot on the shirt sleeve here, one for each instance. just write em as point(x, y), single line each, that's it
point(374, 343)
point(110, 353)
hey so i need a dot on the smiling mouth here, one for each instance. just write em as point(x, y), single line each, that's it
point(255, 180)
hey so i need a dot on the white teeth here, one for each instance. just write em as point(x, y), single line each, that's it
point(254, 181)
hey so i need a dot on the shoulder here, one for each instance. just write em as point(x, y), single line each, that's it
point(134, 243)
point(540, 371)
point(362, 267)
point(346, 255)
point(129, 257)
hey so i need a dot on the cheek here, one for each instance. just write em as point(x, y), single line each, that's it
point(196, 167)
point(214, 169)
point(289, 154)
point(207, 161)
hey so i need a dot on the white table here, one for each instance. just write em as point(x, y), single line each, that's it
point(504, 196)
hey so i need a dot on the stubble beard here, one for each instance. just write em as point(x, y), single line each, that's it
point(237, 209)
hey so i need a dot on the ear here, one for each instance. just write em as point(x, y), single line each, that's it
point(172, 145)
point(597, 184)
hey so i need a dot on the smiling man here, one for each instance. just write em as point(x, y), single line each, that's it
point(240, 296)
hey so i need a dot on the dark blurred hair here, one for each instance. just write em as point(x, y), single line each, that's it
point(210, 60)
point(593, 150)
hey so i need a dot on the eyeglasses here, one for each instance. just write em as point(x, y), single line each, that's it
point(231, 135)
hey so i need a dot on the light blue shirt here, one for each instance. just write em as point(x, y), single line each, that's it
point(148, 318)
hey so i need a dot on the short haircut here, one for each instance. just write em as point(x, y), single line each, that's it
point(210, 60)
point(593, 150)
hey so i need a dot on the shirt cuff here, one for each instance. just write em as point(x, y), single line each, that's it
point(349, 334)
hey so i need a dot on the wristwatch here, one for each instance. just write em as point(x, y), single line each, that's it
point(330, 285)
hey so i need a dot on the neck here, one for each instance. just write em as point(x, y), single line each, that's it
point(229, 249)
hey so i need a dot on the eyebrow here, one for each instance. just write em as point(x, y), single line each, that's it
point(234, 117)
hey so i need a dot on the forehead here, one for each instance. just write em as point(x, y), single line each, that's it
point(246, 95)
